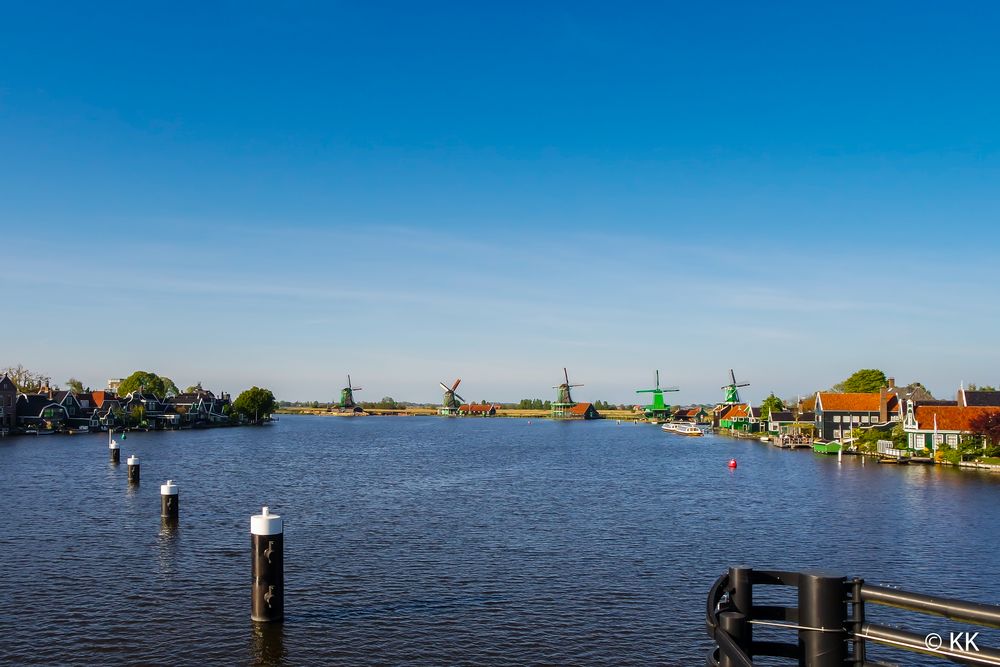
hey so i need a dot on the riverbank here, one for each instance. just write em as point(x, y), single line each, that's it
point(624, 415)
point(988, 466)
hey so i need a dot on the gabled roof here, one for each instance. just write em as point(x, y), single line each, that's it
point(807, 416)
point(6, 384)
point(580, 408)
point(836, 402)
point(949, 417)
point(733, 411)
point(975, 399)
point(31, 405)
point(99, 398)
point(782, 416)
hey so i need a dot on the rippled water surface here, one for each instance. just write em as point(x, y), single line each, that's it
point(450, 541)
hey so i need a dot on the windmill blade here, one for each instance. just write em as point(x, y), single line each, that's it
point(457, 382)
point(657, 378)
point(566, 374)
point(745, 384)
point(574, 385)
point(348, 379)
point(444, 386)
point(460, 398)
point(732, 375)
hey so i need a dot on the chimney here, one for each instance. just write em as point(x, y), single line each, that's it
point(892, 383)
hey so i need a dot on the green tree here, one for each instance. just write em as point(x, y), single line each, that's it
point(986, 387)
point(987, 425)
point(771, 404)
point(138, 415)
point(74, 386)
point(255, 403)
point(148, 382)
point(864, 381)
point(193, 388)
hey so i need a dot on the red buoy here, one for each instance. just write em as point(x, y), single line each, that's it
point(732, 463)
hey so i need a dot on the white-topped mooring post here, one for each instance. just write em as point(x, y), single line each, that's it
point(267, 544)
point(133, 469)
point(169, 500)
point(114, 452)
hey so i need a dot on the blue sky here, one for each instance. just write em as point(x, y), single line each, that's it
point(278, 194)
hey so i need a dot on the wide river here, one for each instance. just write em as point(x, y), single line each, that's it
point(430, 541)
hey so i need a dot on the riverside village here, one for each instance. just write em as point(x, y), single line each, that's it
point(867, 414)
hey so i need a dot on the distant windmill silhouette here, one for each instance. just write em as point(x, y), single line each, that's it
point(732, 389)
point(347, 395)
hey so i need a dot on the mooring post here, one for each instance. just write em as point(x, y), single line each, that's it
point(114, 452)
point(822, 614)
point(267, 545)
point(133, 469)
point(169, 501)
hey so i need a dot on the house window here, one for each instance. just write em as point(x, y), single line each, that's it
point(836, 419)
point(953, 439)
point(836, 432)
point(938, 438)
point(864, 419)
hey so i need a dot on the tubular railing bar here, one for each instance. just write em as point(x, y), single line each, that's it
point(970, 612)
point(914, 642)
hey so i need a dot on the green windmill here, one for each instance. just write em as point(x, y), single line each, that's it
point(658, 410)
point(347, 397)
point(564, 400)
point(732, 389)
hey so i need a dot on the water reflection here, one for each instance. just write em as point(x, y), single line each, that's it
point(267, 643)
point(168, 542)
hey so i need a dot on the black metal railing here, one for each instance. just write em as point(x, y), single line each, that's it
point(829, 621)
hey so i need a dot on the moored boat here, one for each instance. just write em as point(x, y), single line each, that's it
point(682, 429)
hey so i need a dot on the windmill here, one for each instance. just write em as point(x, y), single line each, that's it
point(658, 410)
point(347, 396)
point(563, 397)
point(732, 389)
point(451, 400)
point(563, 407)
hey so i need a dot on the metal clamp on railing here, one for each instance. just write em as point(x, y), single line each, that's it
point(827, 634)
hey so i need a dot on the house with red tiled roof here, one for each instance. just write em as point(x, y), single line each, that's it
point(728, 415)
point(579, 411)
point(934, 426)
point(695, 415)
point(837, 414)
point(478, 410)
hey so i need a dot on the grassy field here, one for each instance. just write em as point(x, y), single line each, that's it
point(413, 412)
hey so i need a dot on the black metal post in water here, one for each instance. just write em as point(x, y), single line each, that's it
point(169, 500)
point(114, 452)
point(267, 544)
point(822, 614)
point(133, 469)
